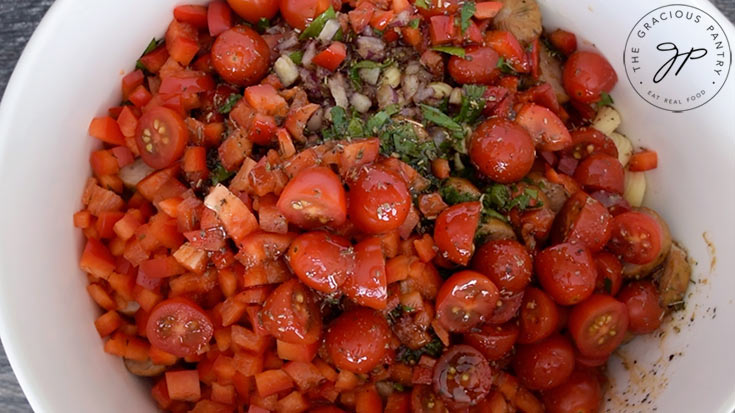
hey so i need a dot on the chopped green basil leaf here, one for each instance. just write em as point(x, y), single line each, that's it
point(605, 100)
point(219, 174)
point(356, 128)
point(414, 23)
point(451, 50)
point(468, 10)
point(451, 195)
point(229, 103)
point(421, 4)
point(438, 117)
point(473, 103)
point(316, 26)
point(262, 24)
point(296, 56)
point(504, 66)
point(607, 285)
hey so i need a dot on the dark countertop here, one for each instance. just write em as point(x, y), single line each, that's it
point(18, 19)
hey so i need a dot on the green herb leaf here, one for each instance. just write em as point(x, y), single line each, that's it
point(553, 52)
point(316, 26)
point(339, 36)
point(296, 57)
point(229, 103)
point(468, 10)
point(473, 103)
point(262, 24)
point(219, 174)
point(451, 50)
point(452, 196)
point(497, 197)
point(414, 23)
point(605, 100)
point(421, 4)
point(504, 66)
point(399, 139)
point(356, 128)
point(433, 349)
point(607, 285)
point(438, 117)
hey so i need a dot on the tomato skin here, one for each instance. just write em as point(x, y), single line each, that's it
point(480, 68)
point(493, 341)
point(254, 10)
point(331, 57)
point(462, 377)
point(163, 145)
point(368, 285)
point(636, 237)
point(379, 201)
point(313, 198)
point(588, 140)
point(506, 263)
point(567, 272)
point(465, 300)
point(546, 129)
point(290, 314)
point(502, 150)
point(644, 311)
point(563, 41)
point(539, 316)
point(586, 75)
point(609, 273)
point(240, 56)
point(601, 172)
point(179, 326)
point(508, 306)
point(321, 260)
point(545, 364)
point(594, 334)
point(358, 340)
point(583, 220)
point(424, 400)
point(454, 231)
point(299, 13)
point(581, 393)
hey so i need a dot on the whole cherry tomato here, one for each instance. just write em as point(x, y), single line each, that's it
point(506, 263)
point(358, 339)
point(254, 10)
point(600, 172)
point(465, 300)
point(581, 393)
point(544, 364)
point(587, 75)
point(240, 56)
point(645, 313)
point(478, 66)
point(502, 150)
point(567, 272)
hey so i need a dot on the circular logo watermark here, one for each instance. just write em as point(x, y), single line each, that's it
point(677, 57)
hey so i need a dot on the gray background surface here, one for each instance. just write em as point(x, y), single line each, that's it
point(18, 19)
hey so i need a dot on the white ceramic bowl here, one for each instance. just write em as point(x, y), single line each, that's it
point(70, 72)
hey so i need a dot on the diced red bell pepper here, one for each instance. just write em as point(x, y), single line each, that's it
point(296, 352)
point(187, 82)
point(272, 381)
point(97, 260)
point(381, 19)
point(219, 17)
point(108, 322)
point(107, 130)
point(131, 81)
point(140, 96)
point(331, 57)
point(103, 162)
point(367, 400)
point(154, 60)
point(105, 223)
point(266, 100)
point(236, 217)
point(182, 41)
point(161, 267)
point(644, 160)
point(183, 385)
point(195, 163)
point(127, 121)
point(441, 29)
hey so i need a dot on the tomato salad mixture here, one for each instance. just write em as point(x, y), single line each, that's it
point(371, 205)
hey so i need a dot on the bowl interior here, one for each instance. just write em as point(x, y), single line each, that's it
point(71, 71)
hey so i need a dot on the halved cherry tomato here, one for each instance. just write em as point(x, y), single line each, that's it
point(539, 316)
point(299, 13)
point(180, 327)
point(379, 201)
point(563, 41)
point(509, 48)
point(636, 237)
point(161, 137)
point(601, 172)
point(321, 260)
point(583, 220)
point(254, 10)
point(465, 300)
point(609, 273)
point(586, 75)
point(588, 140)
point(644, 160)
point(290, 314)
point(493, 341)
point(358, 340)
point(644, 311)
point(567, 272)
point(462, 377)
point(331, 57)
point(546, 129)
point(313, 198)
point(545, 364)
point(478, 66)
point(424, 400)
point(581, 393)
point(240, 56)
point(507, 307)
point(506, 263)
point(615, 203)
point(454, 231)
point(368, 285)
point(502, 150)
point(598, 325)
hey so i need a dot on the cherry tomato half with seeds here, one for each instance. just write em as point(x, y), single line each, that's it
point(636, 237)
point(506, 308)
point(506, 263)
point(581, 393)
point(462, 377)
point(539, 316)
point(254, 10)
point(290, 314)
point(465, 300)
point(479, 66)
point(598, 325)
point(161, 137)
point(368, 285)
point(493, 341)
point(609, 273)
point(454, 231)
point(645, 314)
point(313, 198)
point(179, 326)
point(588, 140)
point(545, 364)
point(567, 272)
point(299, 13)
point(587, 75)
point(240, 56)
point(502, 150)
point(583, 220)
point(424, 400)
point(321, 260)
point(358, 340)
point(379, 201)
